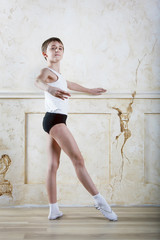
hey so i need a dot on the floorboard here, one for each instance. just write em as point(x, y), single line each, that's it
point(80, 223)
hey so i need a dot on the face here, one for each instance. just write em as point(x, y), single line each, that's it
point(54, 52)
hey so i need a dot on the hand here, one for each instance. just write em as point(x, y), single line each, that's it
point(57, 92)
point(97, 91)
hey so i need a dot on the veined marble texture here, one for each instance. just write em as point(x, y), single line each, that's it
point(106, 42)
point(114, 44)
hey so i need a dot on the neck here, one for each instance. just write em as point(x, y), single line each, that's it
point(55, 66)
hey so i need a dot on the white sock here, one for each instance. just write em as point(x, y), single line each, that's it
point(101, 202)
point(54, 211)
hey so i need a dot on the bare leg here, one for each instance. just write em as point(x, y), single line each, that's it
point(54, 156)
point(65, 140)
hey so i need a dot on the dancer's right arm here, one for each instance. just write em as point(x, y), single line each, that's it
point(42, 84)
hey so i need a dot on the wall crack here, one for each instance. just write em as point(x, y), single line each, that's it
point(124, 120)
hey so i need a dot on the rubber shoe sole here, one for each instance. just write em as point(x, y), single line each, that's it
point(55, 216)
point(110, 215)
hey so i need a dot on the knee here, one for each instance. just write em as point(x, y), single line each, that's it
point(78, 161)
point(53, 167)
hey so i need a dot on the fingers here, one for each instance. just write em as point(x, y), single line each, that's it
point(99, 91)
point(62, 94)
point(102, 90)
point(65, 93)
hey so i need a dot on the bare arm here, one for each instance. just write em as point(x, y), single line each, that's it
point(79, 88)
point(40, 81)
point(42, 84)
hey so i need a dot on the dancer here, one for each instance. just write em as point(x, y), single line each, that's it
point(51, 81)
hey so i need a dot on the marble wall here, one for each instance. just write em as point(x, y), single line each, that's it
point(108, 43)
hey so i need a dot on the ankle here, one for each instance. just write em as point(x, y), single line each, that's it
point(100, 201)
point(54, 207)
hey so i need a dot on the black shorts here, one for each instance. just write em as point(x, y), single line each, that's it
point(51, 119)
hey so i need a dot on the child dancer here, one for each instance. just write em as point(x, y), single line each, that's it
point(55, 86)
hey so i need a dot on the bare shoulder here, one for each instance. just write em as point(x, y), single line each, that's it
point(43, 75)
point(44, 71)
point(47, 75)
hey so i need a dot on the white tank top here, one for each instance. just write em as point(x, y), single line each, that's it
point(54, 104)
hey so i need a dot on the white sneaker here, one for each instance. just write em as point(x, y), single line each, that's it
point(53, 217)
point(108, 214)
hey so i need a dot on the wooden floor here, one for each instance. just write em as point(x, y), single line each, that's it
point(134, 223)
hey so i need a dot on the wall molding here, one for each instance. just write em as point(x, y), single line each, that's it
point(78, 95)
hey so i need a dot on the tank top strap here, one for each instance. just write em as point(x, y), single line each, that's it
point(58, 74)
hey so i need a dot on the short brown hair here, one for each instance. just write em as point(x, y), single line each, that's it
point(47, 42)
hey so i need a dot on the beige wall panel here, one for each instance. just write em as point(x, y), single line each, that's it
point(91, 132)
point(122, 169)
point(152, 147)
point(36, 149)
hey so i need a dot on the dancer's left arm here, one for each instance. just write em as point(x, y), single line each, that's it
point(76, 87)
